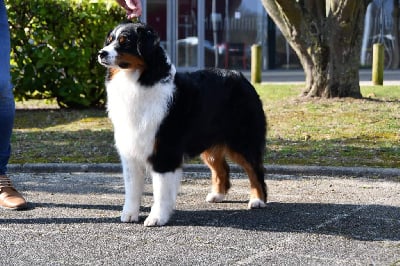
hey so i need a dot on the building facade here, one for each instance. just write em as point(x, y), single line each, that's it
point(209, 33)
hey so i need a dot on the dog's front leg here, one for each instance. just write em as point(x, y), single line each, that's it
point(134, 183)
point(165, 190)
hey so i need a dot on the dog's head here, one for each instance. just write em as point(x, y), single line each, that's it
point(128, 46)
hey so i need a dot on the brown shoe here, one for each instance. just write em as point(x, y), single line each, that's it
point(9, 196)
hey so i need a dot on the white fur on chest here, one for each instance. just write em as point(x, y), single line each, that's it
point(136, 113)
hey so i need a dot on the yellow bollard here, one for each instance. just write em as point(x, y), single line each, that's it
point(377, 64)
point(255, 63)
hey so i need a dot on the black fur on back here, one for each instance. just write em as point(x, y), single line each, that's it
point(210, 107)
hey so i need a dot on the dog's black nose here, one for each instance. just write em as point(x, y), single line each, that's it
point(102, 53)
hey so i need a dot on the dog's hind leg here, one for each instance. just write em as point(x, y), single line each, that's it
point(134, 183)
point(165, 190)
point(255, 171)
point(215, 159)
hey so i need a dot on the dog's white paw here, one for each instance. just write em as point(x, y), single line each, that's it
point(215, 197)
point(156, 220)
point(128, 216)
point(256, 204)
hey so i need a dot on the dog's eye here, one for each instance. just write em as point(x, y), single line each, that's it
point(122, 39)
point(109, 39)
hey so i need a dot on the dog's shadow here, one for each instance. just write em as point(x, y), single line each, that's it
point(361, 222)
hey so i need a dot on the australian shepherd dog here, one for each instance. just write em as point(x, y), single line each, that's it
point(161, 116)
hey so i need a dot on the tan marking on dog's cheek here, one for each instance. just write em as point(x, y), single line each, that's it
point(134, 62)
point(113, 72)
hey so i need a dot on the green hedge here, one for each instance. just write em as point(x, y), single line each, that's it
point(54, 49)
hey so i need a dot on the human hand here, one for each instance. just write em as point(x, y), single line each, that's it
point(133, 8)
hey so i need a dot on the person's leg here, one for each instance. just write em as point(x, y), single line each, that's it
point(9, 197)
point(6, 97)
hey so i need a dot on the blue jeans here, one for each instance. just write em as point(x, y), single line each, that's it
point(7, 106)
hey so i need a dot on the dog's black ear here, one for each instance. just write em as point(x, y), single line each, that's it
point(148, 40)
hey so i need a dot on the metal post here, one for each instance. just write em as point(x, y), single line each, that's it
point(377, 63)
point(256, 63)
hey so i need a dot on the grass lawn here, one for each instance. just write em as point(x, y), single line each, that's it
point(338, 132)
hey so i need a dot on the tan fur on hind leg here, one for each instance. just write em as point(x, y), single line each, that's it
point(215, 159)
point(257, 195)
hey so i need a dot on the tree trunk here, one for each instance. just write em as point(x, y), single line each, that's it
point(326, 36)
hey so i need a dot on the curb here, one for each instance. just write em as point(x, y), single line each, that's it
point(199, 168)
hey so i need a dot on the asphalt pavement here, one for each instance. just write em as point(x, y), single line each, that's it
point(314, 216)
point(73, 219)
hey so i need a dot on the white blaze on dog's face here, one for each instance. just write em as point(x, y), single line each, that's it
point(121, 49)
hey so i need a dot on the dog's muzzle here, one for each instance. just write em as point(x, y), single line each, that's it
point(102, 57)
point(102, 54)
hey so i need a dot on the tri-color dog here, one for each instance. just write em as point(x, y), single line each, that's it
point(161, 116)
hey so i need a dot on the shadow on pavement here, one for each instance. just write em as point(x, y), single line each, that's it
point(360, 222)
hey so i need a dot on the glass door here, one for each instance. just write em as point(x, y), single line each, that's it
point(156, 17)
point(187, 34)
point(180, 24)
